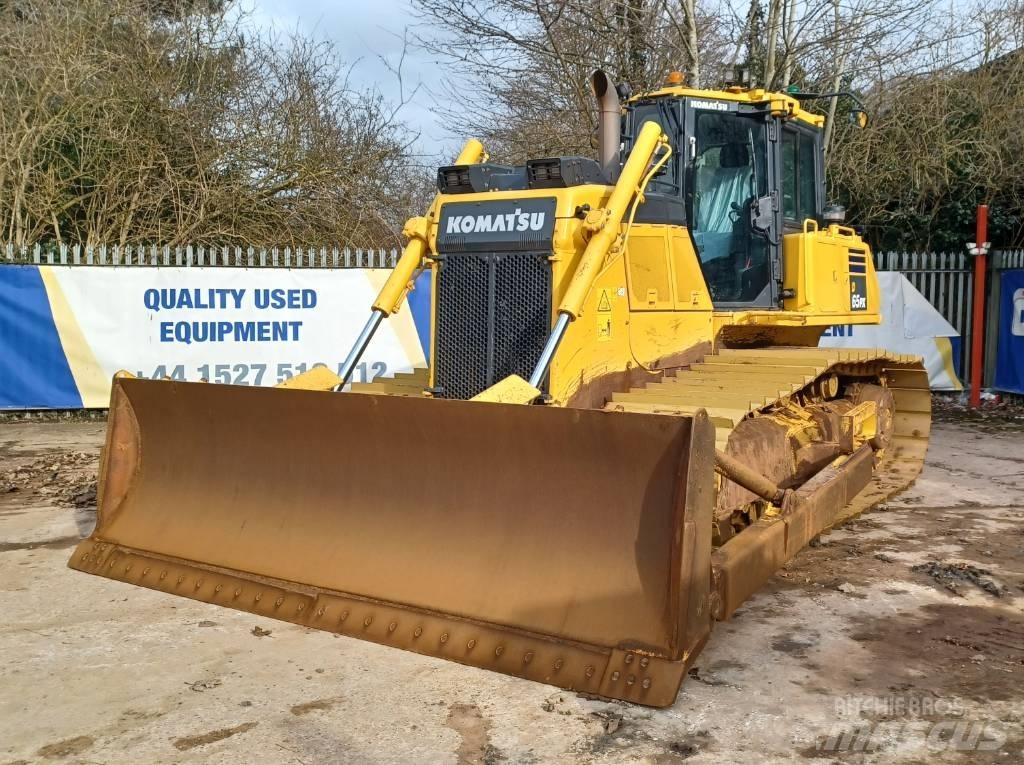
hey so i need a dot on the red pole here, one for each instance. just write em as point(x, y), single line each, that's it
point(978, 322)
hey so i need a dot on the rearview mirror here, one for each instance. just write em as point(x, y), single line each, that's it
point(859, 118)
point(761, 215)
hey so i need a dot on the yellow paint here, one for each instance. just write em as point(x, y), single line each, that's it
point(404, 329)
point(667, 311)
point(606, 238)
point(945, 348)
point(668, 308)
point(781, 104)
point(816, 268)
point(512, 390)
point(862, 422)
point(90, 379)
point(649, 269)
point(377, 277)
point(317, 378)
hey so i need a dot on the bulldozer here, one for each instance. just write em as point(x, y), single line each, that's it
point(625, 428)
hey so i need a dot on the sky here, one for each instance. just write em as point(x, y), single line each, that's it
point(363, 31)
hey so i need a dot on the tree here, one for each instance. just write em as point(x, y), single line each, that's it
point(946, 131)
point(522, 68)
point(941, 143)
point(171, 121)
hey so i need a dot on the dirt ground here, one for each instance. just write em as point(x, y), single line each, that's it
point(898, 638)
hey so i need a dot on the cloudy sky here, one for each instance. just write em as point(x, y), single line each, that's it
point(363, 31)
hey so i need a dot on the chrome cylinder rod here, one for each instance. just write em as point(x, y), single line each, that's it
point(376, 316)
point(549, 349)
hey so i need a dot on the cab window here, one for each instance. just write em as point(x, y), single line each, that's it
point(799, 176)
point(666, 115)
point(729, 173)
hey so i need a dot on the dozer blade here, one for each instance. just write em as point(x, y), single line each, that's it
point(564, 546)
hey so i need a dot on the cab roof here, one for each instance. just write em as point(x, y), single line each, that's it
point(781, 104)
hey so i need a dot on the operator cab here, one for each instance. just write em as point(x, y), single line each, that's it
point(733, 183)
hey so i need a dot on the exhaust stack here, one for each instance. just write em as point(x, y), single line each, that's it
point(608, 112)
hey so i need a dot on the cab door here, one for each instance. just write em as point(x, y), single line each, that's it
point(732, 213)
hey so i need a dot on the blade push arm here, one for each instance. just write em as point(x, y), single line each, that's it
point(606, 224)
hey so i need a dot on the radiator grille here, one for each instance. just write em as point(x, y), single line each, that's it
point(493, 318)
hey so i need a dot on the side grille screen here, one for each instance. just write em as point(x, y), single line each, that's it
point(493, 318)
point(858, 262)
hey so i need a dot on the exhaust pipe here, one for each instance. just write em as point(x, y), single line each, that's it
point(608, 112)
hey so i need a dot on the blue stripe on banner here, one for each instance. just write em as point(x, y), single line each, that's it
point(1010, 337)
point(419, 304)
point(34, 372)
point(954, 347)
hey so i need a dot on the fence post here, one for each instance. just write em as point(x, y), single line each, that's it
point(978, 323)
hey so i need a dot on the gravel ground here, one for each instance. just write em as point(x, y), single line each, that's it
point(898, 638)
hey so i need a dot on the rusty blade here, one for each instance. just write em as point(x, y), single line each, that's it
point(582, 530)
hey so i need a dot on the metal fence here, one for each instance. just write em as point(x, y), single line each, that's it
point(199, 255)
point(946, 279)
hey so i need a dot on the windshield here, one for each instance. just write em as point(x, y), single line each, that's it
point(730, 170)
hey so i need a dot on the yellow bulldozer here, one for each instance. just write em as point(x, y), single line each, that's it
point(625, 428)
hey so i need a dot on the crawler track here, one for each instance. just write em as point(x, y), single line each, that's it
point(733, 385)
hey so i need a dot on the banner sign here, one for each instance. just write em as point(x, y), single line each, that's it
point(910, 324)
point(1010, 340)
point(65, 331)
